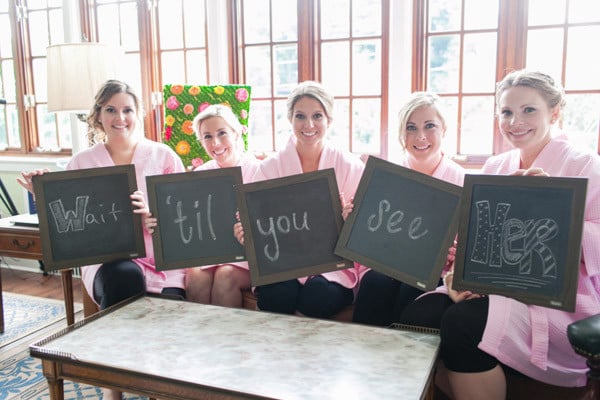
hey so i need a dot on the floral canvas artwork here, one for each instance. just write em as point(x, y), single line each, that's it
point(184, 102)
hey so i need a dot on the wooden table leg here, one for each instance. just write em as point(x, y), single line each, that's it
point(1, 305)
point(67, 284)
point(56, 387)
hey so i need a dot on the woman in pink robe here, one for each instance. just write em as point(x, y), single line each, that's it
point(220, 133)
point(381, 299)
point(310, 111)
point(482, 334)
point(115, 118)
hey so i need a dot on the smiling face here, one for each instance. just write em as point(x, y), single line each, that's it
point(525, 119)
point(423, 138)
point(118, 117)
point(309, 122)
point(220, 141)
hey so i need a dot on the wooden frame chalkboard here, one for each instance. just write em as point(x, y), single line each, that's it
point(196, 213)
point(520, 236)
point(86, 216)
point(291, 226)
point(403, 223)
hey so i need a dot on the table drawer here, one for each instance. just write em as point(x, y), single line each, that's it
point(21, 246)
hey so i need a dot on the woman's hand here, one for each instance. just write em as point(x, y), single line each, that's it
point(150, 223)
point(139, 203)
point(26, 180)
point(451, 256)
point(347, 207)
point(455, 295)
point(530, 172)
point(238, 232)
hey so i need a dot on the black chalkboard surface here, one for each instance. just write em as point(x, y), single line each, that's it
point(291, 226)
point(402, 224)
point(196, 213)
point(520, 236)
point(86, 216)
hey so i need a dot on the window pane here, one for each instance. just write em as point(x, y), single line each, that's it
point(339, 132)
point(366, 18)
point(444, 15)
point(366, 67)
point(285, 68)
point(481, 14)
point(5, 36)
point(57, 31)
point(9, 84)
point(131, 71)
point(366, 130)
point(12, 124)
point(196, 67)
point(582, 63)
point(259, 77)
point(38, 31)
point(256, 21)
point(195, 23)
point(173, 67)
point(129, 31)
point(46, 129)
point(107, 32)
point(546, 12)
point(40, 80)
point(584, 11)
point(285, 20)
point(335, 19)
point(443, 64)
point(542, 57)
point(449, 109)
point(283, 128)
point(581, 118)
point(479, 67)
point(171, 24)
point(335, 67)
point(477, 125)
point(260, 128)
point(63, 121)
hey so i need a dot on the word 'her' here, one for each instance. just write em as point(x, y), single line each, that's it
point(283, 225)
point(512, 240)
point(186, 235)
point(394, 220)
point(76, 220)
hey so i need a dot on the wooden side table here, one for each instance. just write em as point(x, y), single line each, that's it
point(25, 242)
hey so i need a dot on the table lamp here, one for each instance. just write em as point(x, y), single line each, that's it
point(75, 73)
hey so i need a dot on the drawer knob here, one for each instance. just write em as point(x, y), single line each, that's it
point(21, 246)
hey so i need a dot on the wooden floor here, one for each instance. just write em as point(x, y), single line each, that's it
point(36, 284)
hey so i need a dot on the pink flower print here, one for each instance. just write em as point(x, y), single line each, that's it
point(172, 103)
point(241, 95)
point(188, 109)
point(168, 133)
point(243, 114)
point(203, 106)
point(196, 162)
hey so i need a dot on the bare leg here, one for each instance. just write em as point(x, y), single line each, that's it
point(489, 385)
point(111, 394)
point(441, 379)
point(198, 284)
point(228, 284)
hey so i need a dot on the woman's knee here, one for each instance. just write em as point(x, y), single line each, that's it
point(321, 298)
point(281, 297)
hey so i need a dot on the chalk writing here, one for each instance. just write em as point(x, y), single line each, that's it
point(76, 220)
point(513, 241)
point(284, 226)
point(394, 221)
point(187, 234)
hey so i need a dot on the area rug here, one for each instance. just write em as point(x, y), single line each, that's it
point(27, 320)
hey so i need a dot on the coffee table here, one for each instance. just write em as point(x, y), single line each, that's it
point(172, 349)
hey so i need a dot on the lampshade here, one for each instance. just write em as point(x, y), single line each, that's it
point(76, 71)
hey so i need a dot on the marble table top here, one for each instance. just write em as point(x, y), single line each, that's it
point(254, 352)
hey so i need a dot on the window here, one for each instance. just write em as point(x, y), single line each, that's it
point(25, 125)
point(464, 46)
point(341, 43)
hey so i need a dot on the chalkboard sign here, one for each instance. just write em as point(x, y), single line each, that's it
point(196, 213)
point(86, 216)
point(291, 226)
point(402, 224)
point(520, 236)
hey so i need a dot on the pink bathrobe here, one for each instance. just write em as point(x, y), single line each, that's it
point(348, 171)
point(533, 339)
point(249, 165)
point(149, 158)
